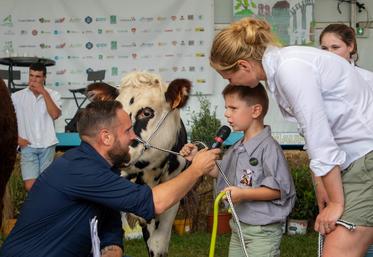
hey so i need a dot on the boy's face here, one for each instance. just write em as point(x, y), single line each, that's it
point(239, 114)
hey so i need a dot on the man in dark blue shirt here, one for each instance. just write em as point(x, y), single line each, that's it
point(85, 183)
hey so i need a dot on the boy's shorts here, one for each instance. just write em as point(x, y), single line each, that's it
point(358, 191)
point(35, 160)
point(260, 240)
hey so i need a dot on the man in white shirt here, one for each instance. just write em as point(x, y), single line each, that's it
point(36, 107)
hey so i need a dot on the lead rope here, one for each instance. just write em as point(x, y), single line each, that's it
point(234, 214)
point(147, 144)
point(348, 225)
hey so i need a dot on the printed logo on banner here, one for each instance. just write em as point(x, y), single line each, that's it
point(147, 44)
point(86, 32)
point(168, 30)
point(75, 45)
point(173, 18)
point(190, 17)
point(146, 19)
point(26, 46)
point(99, 31)
point(161, 18)
point(44, 46)
point(127, 19)
point(87, 57)
point(89, 45)
point(73, 57)
point(23, 32)
point(109, 31)
point(59, 83)
point(199, 54)
point(101, 45)
point(26, 20)
point(60, 46)
point(113, 19)
point(72, 32)
point(7, 21)
point(113, 45)
point(57, 32)
point(201, 81)
point(88, 19)
point(59, 20)
point(110, 57)
point(133, 30)
point(44, 20)
point(75, 20)
point(61, 72)
point(100, 19)
point(100, 56)
point(122, 31)
point(47, 32)
point(114, 71)
point(58, 58)
point(199, 29)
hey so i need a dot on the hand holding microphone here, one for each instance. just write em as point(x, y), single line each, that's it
point(189, 150)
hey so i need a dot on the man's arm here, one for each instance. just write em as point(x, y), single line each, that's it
point(53, 110)
point(170, 192)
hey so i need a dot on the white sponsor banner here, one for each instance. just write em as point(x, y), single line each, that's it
point(169, 37)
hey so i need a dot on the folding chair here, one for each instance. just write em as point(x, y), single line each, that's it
point(91, 76)
point(16, 75)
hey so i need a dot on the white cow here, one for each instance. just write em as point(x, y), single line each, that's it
point(154, 108)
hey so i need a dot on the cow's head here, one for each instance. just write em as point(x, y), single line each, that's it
point(153, 107)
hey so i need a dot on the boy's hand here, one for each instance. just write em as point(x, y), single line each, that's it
point(189, 151)
point(237, 193)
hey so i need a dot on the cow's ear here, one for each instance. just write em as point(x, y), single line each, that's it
point(177, 93)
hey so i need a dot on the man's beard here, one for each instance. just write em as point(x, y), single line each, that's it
point(119, 156)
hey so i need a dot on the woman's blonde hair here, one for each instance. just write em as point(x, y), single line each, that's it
point(245, 39)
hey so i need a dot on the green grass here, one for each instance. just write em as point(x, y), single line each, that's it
point(198, 245)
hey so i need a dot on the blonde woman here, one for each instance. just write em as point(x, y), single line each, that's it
point(316, 89)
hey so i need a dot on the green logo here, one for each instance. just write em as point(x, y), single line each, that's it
point(253, 161)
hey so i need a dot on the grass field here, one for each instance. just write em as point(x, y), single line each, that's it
point(198, 245)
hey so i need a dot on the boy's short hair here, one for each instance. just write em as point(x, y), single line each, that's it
point(39, 67)
point(255, 95)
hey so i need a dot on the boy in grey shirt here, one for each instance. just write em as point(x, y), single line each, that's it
point(262, 187)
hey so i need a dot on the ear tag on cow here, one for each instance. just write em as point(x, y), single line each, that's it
point(253, 161)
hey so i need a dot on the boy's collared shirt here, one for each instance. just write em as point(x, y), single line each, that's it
point(255, 163)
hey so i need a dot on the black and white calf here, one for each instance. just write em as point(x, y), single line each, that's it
point(154, 108)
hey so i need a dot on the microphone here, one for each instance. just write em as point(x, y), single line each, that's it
point(221, 136)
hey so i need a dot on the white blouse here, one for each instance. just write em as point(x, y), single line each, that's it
point(329, 99)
